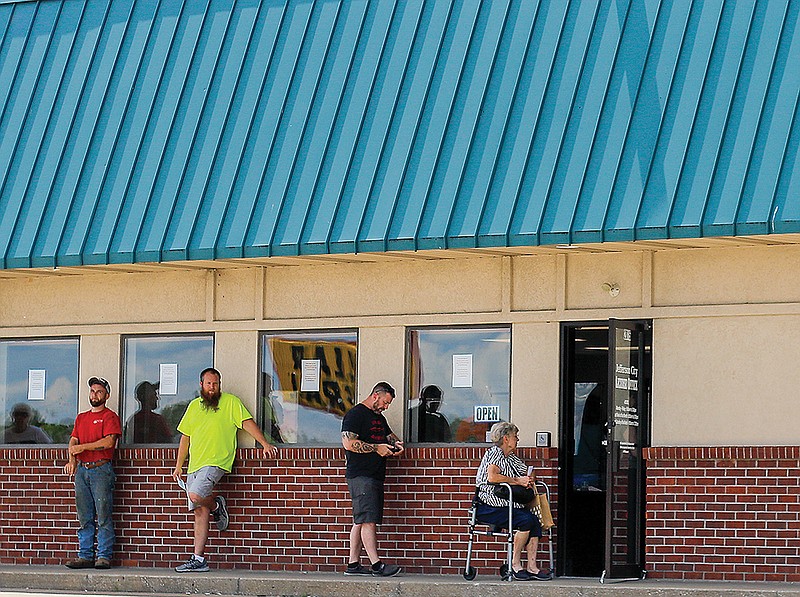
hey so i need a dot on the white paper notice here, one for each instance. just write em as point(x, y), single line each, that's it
point(182, 485)
point(310, 381)
point(462, 370)
point(36, 384)
point(168, 379)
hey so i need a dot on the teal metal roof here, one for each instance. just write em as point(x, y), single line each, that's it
point(158, 130)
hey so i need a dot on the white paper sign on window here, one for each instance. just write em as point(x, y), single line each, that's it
point(462, 370)
point(168, 379)
point(36, 384)
point(310, 380)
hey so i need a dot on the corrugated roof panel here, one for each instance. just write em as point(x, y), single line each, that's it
point(457, 149)
point(99, 48)
point(190, 149)
point(256, 115)
point(679, 119)
point(477, 174)
point(331, 198)
point(30, 36)
point(111, 80)
point(304, 128)
point(299, 208)
point(431, 148)
point(785, 216)
point(715, 106)
point(738, 143)
point(151, 194)
point(581, 139)
point(755, 212)
point(200, 210)
point(384, 207)
point(199, 129)
point(301, 78)
point(538, 217)
point(362, 178)
point(655, 87)
point(524, 122)
point(76, 34)
point(170, 172)
point(139, 141)
point(615, 121)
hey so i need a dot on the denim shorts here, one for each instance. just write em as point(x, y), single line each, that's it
point(367, 496)
point(203, 480)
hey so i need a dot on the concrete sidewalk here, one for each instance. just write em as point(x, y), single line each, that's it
point(246, 583)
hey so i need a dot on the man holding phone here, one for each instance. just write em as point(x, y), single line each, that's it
point(368, 441)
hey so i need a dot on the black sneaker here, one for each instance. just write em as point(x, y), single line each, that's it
point(221, 517)
point(386, 570)
point(358, 570)
point(522, 575)
point(193, 565)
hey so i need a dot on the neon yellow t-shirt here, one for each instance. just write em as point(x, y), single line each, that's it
point(212, 433)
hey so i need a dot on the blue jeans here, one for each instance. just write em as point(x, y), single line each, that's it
point(94, 496)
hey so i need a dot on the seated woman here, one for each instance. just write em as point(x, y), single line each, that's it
point(501, 465)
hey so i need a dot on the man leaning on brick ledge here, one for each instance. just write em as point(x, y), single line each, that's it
point(90, 452)
point(208, 439)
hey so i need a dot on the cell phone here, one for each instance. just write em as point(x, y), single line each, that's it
point(394, 448)
point(530, 471)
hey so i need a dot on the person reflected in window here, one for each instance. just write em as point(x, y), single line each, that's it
point(500, 464)
point(21, 430)
point(147, 426)
point(433, 426)
point(590, 457)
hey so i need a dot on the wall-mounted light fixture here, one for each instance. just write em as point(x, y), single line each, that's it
point(612, 289)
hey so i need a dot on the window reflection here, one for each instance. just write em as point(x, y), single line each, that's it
point(308, 382)
point(151, 410)
point(39, 381)
point(453, 370)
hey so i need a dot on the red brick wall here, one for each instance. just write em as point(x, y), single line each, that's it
point(724, 513)
point(293, 514)
point(712, 513)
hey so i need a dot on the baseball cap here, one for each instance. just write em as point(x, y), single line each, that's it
point(100, 380)
point(21, 409)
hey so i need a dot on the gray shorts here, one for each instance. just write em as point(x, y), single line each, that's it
point(367, 497)
point(202, 481)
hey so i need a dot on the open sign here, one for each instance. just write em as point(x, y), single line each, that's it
point(487, 413)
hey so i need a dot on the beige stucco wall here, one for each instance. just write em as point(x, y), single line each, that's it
point(99, 356)
point(726, 380)
point(726, 323)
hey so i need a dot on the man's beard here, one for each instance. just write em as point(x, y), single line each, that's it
point(96, 403)
point(210, 401)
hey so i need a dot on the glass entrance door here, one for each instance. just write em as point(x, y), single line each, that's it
point(626, 422)
point(600, 502)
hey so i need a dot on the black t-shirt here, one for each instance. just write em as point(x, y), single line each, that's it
point(372, 428)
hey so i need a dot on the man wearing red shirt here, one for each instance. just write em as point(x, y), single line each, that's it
point(91, 450)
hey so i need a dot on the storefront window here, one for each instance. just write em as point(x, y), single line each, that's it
point(160, 378)
point(40, 389)
point(308, 382)
point(459, 383)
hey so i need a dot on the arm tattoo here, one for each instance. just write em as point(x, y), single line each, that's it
point(357, 445)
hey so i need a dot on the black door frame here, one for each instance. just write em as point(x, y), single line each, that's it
point(567, 379)
point(627, 423)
